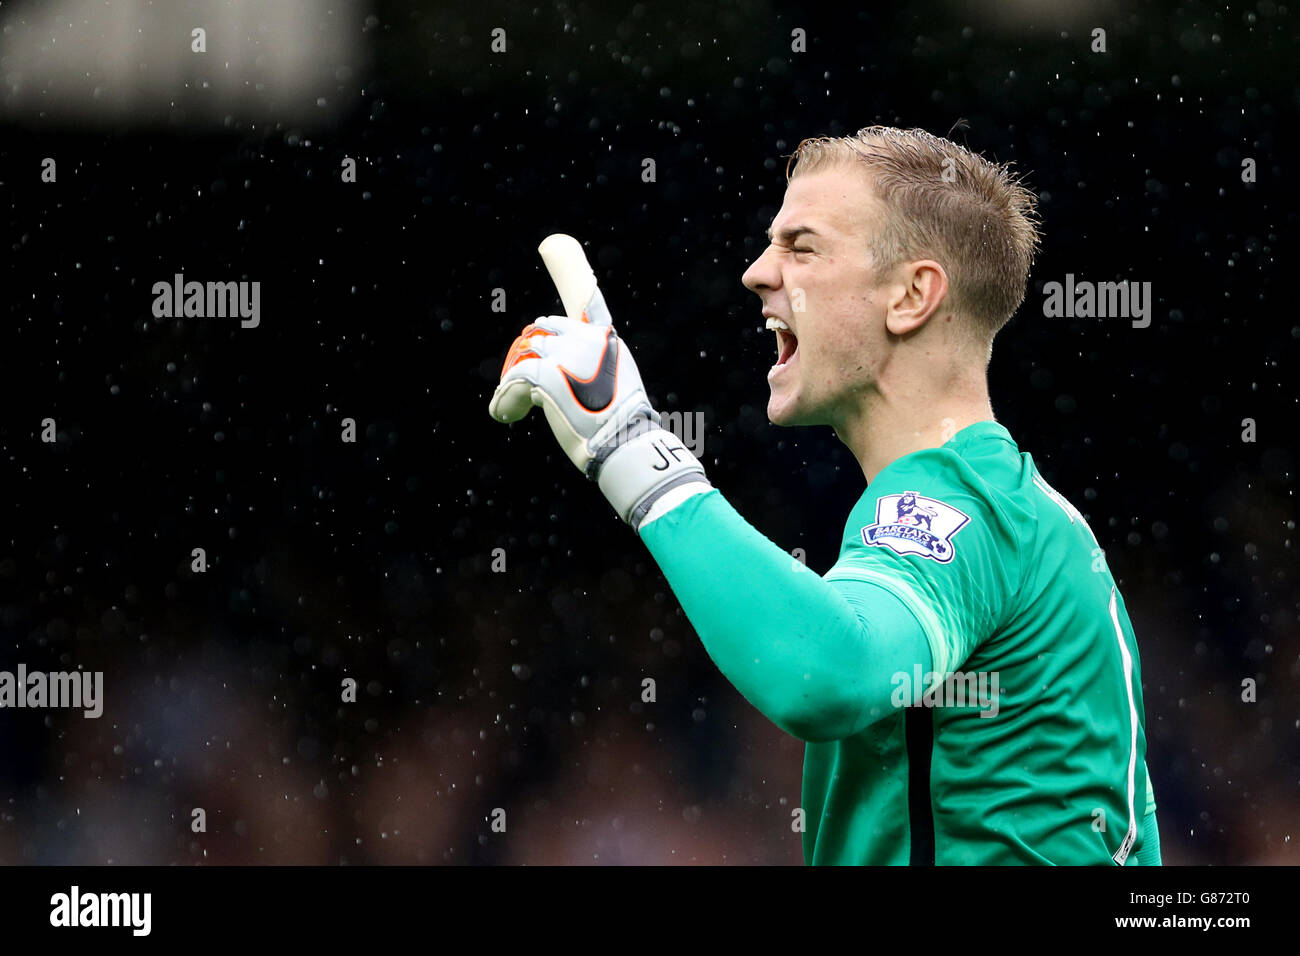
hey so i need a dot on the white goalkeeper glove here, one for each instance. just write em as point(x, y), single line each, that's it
point(587, 383)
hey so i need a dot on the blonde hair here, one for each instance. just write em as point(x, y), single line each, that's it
point(942, 202)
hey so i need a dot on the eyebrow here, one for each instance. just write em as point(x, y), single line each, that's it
point(791, 233)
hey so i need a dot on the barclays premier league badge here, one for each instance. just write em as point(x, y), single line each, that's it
point(911, 524)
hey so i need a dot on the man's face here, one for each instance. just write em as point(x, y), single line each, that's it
point(816, 276)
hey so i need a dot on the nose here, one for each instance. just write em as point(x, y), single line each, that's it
point(762, 273)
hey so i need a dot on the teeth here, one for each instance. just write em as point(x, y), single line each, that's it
point(773, 323)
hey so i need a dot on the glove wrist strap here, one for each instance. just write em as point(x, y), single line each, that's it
point(639, 471)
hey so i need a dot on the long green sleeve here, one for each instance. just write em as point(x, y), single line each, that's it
point(817, 658)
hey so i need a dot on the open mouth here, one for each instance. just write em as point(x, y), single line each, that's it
point(787, 343)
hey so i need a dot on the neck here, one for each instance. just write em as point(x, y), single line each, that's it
point(891, 421)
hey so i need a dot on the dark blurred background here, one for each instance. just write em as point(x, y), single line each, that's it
point(520, 689)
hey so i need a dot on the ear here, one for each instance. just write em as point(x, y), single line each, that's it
point(922, 287)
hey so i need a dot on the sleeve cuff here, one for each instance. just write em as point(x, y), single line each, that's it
point(671, 499)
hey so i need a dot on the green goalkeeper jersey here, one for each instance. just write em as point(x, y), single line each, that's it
point(1016, 736)
point(1035, 742)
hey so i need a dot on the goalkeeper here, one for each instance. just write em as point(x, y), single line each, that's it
point(965, 676)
